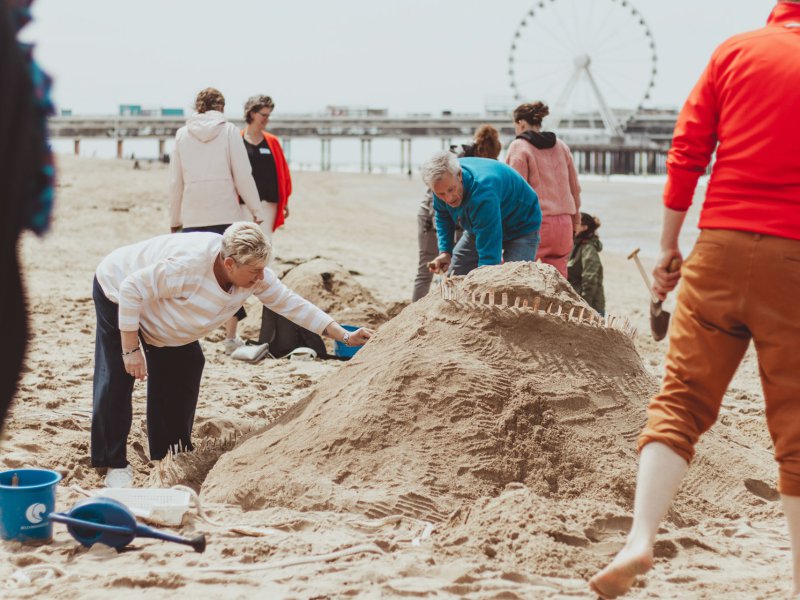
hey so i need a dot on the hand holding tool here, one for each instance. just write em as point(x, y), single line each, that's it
point(659, 318)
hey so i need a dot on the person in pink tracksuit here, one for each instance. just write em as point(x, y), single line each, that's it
point(546, 164)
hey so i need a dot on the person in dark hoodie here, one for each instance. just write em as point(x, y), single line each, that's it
point(546, 164)
point(584, 266)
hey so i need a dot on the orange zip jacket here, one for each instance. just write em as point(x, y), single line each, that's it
point(747, 105)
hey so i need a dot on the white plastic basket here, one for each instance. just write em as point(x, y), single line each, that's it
point(159, 505)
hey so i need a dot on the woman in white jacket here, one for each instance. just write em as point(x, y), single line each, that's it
point(209, 172)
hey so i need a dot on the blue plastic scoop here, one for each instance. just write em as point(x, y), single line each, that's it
point(109, 522)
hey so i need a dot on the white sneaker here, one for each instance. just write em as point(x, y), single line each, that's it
point(119, 478)
point(232, 344)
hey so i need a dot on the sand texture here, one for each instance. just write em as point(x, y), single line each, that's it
point(482, 445)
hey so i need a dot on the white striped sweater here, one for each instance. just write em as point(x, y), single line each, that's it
point(166, 289)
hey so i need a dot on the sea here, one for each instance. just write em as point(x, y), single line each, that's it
point(302, 153)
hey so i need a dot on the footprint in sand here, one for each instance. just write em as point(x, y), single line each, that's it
point(16, 460)
point(32, 448)
point(762, 489)
point(608, 535)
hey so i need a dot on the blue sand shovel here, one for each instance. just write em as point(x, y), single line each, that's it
point(109, 522)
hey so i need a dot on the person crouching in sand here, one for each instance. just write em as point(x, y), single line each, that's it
point(154, 300)
point(741, 281)
point(497, 208)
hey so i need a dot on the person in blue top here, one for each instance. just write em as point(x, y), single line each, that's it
point(496, 207)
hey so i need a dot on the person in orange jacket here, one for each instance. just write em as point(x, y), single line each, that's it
point(740, 283)
point(270, 169)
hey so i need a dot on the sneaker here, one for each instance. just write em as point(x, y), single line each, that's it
point(119, 478)
point(232, 344)
point(252, 354)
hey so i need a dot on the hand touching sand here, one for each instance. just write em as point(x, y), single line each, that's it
point(441, 263)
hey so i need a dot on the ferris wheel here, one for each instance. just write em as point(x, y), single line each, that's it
point(584, 59)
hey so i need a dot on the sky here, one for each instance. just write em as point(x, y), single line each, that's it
point(409, 56)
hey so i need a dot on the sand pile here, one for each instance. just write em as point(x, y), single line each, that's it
point(454, 399)
point(335, 290)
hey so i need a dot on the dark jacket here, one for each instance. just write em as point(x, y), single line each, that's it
point(586, 272)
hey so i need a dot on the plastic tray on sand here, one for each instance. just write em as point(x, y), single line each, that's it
point(159, 505)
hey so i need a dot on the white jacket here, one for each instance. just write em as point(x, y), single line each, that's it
point(209, 170)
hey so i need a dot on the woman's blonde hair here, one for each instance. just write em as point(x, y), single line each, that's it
point(245, 243)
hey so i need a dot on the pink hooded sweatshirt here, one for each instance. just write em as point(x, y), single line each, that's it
point(546, 164)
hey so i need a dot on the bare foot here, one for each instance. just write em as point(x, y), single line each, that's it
point(617, 578)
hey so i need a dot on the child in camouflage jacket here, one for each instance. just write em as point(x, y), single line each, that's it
point(584, 266)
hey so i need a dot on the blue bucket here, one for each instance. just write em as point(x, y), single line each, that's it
point(26, 506)
point(339, 349)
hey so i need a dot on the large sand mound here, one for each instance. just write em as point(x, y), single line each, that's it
point(461, 395)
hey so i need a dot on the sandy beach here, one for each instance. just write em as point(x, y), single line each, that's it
point(365, 458)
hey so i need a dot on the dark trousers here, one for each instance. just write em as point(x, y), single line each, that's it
point(465, 252)
point(173, 386)
point(428, 250)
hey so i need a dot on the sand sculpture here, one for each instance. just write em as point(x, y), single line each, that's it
point(502, 381)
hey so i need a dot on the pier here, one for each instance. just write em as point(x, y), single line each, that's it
point(641, 151)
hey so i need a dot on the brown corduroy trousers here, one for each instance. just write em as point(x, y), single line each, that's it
point(735, 286)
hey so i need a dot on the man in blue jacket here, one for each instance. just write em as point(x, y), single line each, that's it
point(497, 208)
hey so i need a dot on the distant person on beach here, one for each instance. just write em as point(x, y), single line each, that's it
point(497, 208)
point(28, 176)
point(209, 171)
point(546, 164)
point(740, 283)
point(486, 144)
point(584, 267)
point(270, 169)
point(154, 301)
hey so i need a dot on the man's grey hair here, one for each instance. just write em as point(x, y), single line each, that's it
point(439, 165)
point(245, 243)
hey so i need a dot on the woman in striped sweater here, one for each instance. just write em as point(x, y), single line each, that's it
point(154, 301)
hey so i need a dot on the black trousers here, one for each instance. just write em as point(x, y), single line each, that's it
point(173, 386)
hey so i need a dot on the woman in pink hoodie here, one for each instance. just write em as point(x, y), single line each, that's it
point(546, 164)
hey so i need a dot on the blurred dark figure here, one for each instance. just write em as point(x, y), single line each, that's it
point(27, 175)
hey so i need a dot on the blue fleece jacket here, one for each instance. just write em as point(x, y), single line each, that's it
point(498, 205)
